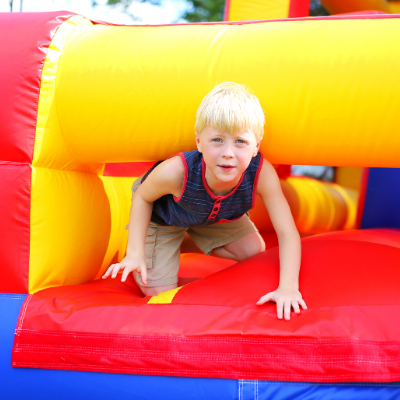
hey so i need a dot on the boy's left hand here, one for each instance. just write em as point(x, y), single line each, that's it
point(285, 299)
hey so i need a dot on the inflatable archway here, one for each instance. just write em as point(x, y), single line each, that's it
point(81, 97)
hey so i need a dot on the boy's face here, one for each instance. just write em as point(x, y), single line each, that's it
point(227, 156)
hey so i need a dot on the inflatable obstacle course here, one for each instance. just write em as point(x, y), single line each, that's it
point(92, 96)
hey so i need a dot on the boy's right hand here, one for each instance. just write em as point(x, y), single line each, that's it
point(128, 264)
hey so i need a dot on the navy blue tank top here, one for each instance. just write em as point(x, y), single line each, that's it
point(197, 205)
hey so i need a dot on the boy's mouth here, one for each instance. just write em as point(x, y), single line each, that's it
point(226, 167)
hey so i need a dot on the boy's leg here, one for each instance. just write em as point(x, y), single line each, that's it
point(235, 240)
point(162, 256)
point(242, 248)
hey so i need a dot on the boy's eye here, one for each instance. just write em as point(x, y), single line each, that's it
point(240, 141)
point(217, 140)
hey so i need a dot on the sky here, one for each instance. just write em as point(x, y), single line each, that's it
point(168, 12)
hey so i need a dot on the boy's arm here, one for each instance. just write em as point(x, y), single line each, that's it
point(166, 178)
point(287, 294)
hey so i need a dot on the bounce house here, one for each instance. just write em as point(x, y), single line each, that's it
point(86, 107)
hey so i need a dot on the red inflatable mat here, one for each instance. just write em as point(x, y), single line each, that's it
point(213, 328)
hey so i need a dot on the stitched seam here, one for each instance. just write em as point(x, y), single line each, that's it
point(12, 296)
point(177, 356)
point(222, 356)
point(164, 371)
point(298, 342)
point(14, 163)
point(25, 306)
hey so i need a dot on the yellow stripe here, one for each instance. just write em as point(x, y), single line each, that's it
point(164, 297)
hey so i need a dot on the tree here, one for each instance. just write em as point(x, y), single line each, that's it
point(205, 11)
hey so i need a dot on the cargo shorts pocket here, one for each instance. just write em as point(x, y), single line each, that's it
point(149, 247)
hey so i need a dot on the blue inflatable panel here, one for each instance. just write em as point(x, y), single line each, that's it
point(257, 390)
point(41, 384)
point(381, 208)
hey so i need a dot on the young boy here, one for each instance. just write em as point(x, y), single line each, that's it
point(207, 192)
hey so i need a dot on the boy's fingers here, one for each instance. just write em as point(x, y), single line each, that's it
point(265, 299)
point(115, 270)
point(296, 307)
point(125, 274)
point(279, 309)
point(303, 304)
point(143, 274)
point(108, 272)
point(287, 309)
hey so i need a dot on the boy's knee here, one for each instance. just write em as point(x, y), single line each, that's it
point(252, 247)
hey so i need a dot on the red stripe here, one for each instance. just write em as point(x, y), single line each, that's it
point(299, 8)
point(130, 169)
point(283, 170)
point(226, 10)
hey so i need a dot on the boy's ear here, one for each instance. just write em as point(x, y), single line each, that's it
point(198, 141)
point(258, 148)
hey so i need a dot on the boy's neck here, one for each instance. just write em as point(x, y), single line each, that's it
point(219, 188)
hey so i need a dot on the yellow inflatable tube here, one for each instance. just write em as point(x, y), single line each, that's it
point(327, 87)
point(316, 206)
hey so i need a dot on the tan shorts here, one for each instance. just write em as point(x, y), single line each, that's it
point(162, 247)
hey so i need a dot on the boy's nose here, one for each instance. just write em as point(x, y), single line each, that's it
point(228, 152)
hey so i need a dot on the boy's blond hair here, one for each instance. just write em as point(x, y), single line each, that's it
point(231, 108)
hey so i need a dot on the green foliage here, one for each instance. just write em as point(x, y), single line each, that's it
point(205, 11)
